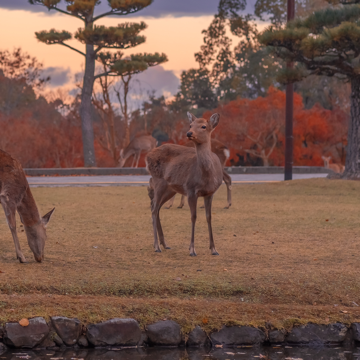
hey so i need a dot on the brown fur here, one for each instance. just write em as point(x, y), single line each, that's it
point(220, 150)
point(142, 143)
point(338, 168)
point(192, 172)
point(15, 195)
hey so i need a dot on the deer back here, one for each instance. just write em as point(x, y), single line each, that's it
point(13, 182)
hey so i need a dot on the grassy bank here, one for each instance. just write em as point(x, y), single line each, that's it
point(282, 245)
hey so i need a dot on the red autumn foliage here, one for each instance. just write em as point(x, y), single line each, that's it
point(254, 130)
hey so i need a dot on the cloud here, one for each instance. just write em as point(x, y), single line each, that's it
point(159, 80)
point(159, 8)
point(58, 75)
point(155, 80)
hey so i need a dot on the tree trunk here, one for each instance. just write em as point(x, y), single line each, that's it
point(86, 106)
point(352, 166)
point(127, 127)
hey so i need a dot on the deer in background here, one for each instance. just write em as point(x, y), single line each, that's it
point(192, 172)
point(223, 154)
point(142, 143)
point(15, 195)
point(338, 168)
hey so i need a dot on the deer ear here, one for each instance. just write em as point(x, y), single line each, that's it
point(191, 117)
point(46, 218)
point(214, 120)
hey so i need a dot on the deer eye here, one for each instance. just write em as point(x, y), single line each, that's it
point(203, 127)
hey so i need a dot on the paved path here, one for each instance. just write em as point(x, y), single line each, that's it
point(144, 180)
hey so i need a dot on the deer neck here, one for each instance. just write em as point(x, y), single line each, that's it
point(128, 152)
point(204, 158)
point(28, 211)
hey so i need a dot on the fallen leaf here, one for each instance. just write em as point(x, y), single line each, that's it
point(225, 269)
point(315, 259)
point(230, 353)
point(177, 279)
point(344, 311)
point(24, 322)
point(218, 346)
point(205, 321)
point(327, 220)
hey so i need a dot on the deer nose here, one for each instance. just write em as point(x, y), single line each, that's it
point(189, 134)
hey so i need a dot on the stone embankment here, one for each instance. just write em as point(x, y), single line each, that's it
point(61, 332)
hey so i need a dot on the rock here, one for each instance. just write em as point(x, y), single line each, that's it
point(197, 338)
point(314, 334)
point(277, 336)
point(1, 332)
point(117, 331)
point(3, 348)
point(235, 335)
point(356, 331)
point(68, 329)
point(143, 339)
point(26, 337)
point(57, 339)
point(164, 333)
point(83, 341)
point(46, 343)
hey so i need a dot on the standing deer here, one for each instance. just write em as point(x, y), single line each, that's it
point(223, 153)
point(338, 168)
point(192, 172)
point(136, 146)
point(15, 195)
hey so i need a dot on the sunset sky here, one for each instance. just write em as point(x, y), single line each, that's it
point(174, 27)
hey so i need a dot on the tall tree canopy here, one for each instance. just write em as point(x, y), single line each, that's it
point(325, 43)
point(95, 38)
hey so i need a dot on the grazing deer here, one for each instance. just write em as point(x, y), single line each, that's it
point(15, 195)
point(338, 168)
point(223, 153)
point(192, 172)
point(136, 146)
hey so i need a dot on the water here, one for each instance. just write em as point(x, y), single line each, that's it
point(266, 353)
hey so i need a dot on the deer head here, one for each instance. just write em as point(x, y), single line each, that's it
point(36, 236)
point(326, 160)
point(201, 129)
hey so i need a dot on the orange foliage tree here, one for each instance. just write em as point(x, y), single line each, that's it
point(254, 129)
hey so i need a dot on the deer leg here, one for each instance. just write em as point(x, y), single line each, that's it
point(192, 200)
point(208, 202)
point(138, 158)
point(182, 202)
point(10, 212)
point(160, 189)
point(227, 181)
point(133, 162)
point(170, 203)
point(168, 194)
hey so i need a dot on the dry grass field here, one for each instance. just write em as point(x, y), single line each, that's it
point(289, 252)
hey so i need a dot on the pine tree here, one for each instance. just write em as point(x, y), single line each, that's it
point(115, 65)
point(95, 38)
point(325, 43)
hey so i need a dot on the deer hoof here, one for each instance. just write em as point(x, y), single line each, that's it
point(167, 247)
point(158, 250)
point(22, 260)
point(215, 253)
point(193, 254)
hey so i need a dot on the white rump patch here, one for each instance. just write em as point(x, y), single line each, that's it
point(227, 153)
